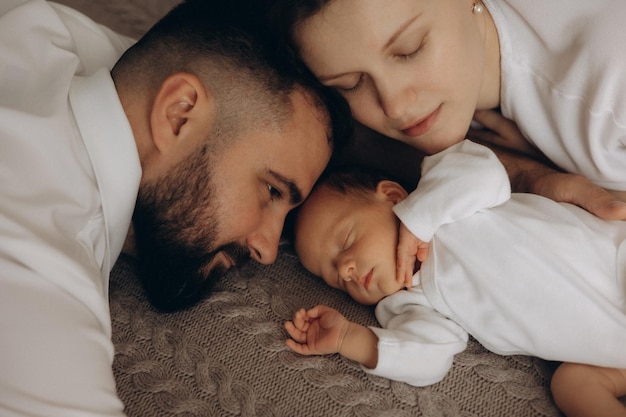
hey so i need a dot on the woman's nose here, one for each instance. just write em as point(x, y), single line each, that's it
point(395, 99)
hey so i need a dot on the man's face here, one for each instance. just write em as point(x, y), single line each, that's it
point(218, 208)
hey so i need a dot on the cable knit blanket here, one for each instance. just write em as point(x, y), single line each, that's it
point(227, 357)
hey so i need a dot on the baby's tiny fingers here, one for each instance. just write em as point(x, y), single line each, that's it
point(295, 333)
point(296, 347)
point(300, 318)
point(302, 349)
point(408, 281)
point(400, 272)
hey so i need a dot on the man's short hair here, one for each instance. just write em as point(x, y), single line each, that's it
point(231, 52)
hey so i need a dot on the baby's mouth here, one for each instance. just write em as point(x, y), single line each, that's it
point(367, 279)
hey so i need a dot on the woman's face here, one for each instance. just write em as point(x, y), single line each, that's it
point(411, 69)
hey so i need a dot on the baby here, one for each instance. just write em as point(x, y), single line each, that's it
point(520, 273)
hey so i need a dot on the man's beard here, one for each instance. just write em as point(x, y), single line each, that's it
point(175, 230)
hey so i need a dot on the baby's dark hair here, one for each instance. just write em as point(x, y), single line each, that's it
point(353, 180)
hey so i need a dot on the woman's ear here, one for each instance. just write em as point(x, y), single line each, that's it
point(179, 99)
point(391, 191)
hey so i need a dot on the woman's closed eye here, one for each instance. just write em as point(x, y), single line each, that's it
point(406, 57)
point(408, 51)
point(355, 87)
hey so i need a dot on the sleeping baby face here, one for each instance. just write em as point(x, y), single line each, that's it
point(351, 240)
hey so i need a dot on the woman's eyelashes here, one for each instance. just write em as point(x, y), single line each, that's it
point(409, 50)
point(398, 56)
point(405, 57)
point(355, 87)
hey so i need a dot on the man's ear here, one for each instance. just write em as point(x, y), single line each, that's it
point(391, 191)
point(181, 106)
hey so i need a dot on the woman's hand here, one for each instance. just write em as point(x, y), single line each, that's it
point(503, 132)
point(578, 190)
point(529, 175)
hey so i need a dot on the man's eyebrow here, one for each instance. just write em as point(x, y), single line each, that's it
point(295, 195)
point(401, 29)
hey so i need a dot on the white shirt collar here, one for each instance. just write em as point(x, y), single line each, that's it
point(112, 149)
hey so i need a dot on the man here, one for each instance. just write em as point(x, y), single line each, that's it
point(197, 129)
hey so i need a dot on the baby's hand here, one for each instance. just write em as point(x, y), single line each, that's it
point(318, 331)
point(410, 250)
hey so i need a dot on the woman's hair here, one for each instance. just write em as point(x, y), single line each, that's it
point(284, 16)
point(233, 53)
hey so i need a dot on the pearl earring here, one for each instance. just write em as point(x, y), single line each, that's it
point(477, 8)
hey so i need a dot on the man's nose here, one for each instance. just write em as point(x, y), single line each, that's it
point(263, 243)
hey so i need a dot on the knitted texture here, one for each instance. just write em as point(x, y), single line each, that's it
point(227, 357)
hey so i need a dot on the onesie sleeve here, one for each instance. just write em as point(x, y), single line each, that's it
point(416, 344)
point(455, 183)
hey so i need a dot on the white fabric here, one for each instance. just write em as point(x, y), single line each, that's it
point(69, 175)
point(564, 83)
point(524, 275)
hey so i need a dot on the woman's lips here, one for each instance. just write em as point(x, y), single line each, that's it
point(423, 126)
